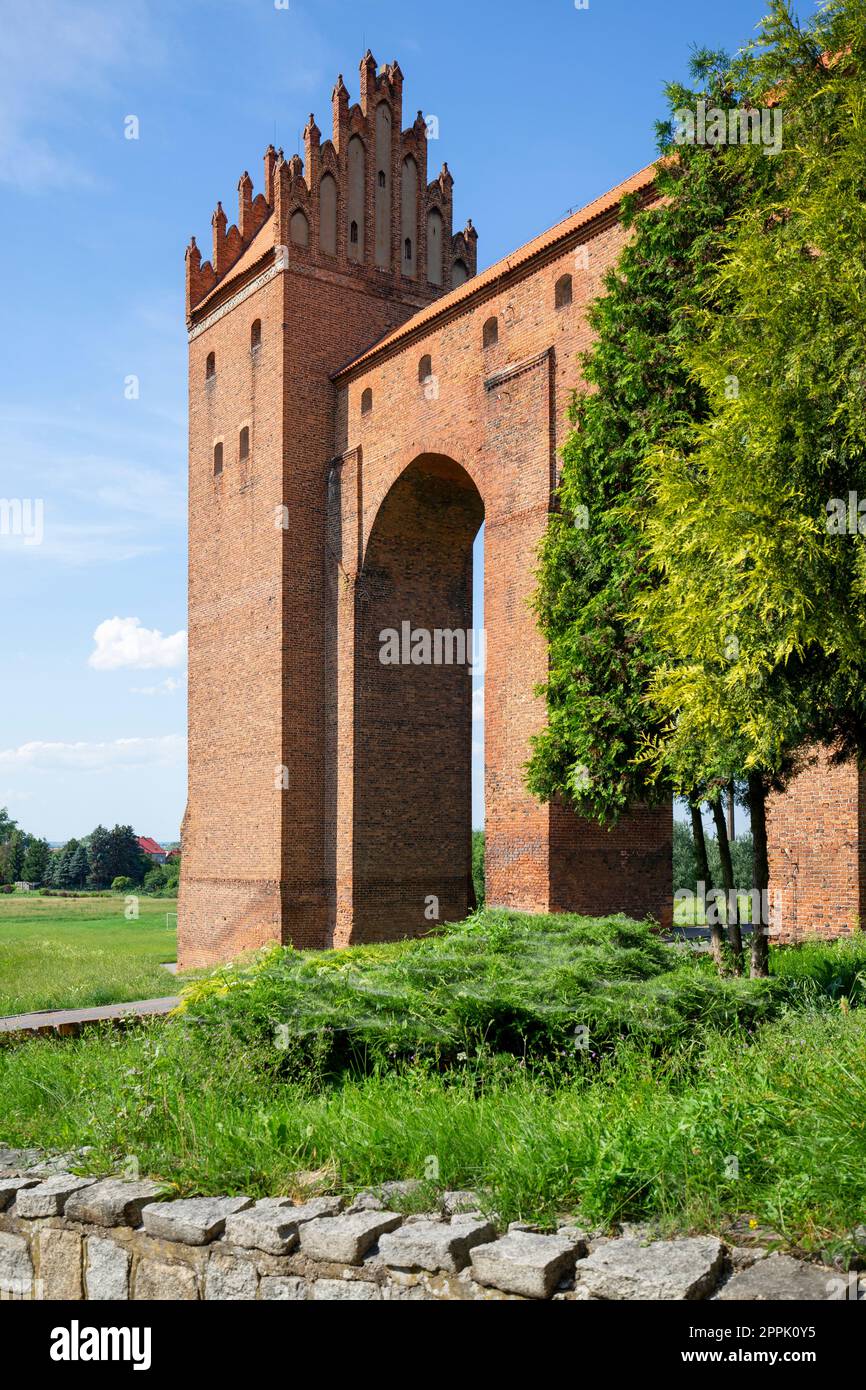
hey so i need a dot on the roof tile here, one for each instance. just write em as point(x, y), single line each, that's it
point(561, 231)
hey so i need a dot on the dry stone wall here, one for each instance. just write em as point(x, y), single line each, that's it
point(74, 1238)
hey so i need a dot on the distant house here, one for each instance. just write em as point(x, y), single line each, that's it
point(152, 849)
point(172, 856)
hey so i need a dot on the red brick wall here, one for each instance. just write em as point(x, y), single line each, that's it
point(258, 859)
point(381, 508)
point(817, 852)
point(500, 414)
point(230, 888)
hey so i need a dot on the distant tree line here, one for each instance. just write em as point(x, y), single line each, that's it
point(689, 869)
point(103, 859)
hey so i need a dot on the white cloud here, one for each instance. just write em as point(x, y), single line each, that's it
point(166, 687)
point(121, 753)
point(123, 642)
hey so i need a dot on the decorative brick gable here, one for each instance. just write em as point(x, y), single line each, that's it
point(329, 794)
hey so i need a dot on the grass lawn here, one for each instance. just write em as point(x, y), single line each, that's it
point(64, 953)
point(689, 912)
point(560, 1065)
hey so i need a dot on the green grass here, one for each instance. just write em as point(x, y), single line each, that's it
point(65, 953)
point(699, 1101)
point(635, 1137)
point(478, 866)
point(512, 983)
point(689, 912)
point(835, 972)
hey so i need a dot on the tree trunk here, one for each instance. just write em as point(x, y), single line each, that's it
point(704, 876)
point(733, 905)
point(760, 930)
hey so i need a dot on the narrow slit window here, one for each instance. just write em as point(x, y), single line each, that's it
point(210, 367)
point(563, 292)
point(425, 367)
point(366, 401)
point(490, 333)
point(244, 443)
point(256, 335)
point(217, 459)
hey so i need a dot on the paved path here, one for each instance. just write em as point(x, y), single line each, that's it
point(65, 1021)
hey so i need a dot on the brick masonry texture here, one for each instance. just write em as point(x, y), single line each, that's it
point(369, 421)
point(817, 849)
point(379, 1254)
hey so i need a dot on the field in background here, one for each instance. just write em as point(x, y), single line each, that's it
point(65, 953)
point(690, 912)
point(561, 1066)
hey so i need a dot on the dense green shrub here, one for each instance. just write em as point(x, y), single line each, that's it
point(685, 1076)
point(560, 989)
point(478, 866)
point(161, 880)
point(634, 1137)
point(834, 971)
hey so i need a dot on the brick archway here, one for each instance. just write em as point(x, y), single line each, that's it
point(329, 794)
point(411, 821)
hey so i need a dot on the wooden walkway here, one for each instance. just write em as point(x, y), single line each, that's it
point(66, 1021)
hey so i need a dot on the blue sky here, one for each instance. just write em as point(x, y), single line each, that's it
point(541, 107)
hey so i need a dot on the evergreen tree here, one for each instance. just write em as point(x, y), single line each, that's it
point(7, 829)
point(99, 857)
point(61, 867)
point(17, 851)
point(79, 866)
point(592, 562)
point(758, 605)
point(126, 859)
point(49, 879)
point(36, 861)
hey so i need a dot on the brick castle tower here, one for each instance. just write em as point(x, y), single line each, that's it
point(334, 253)
point(360, 400)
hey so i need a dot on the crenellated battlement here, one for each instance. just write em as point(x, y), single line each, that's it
point(359, 202)
point(350, 425)
point(229, 243)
